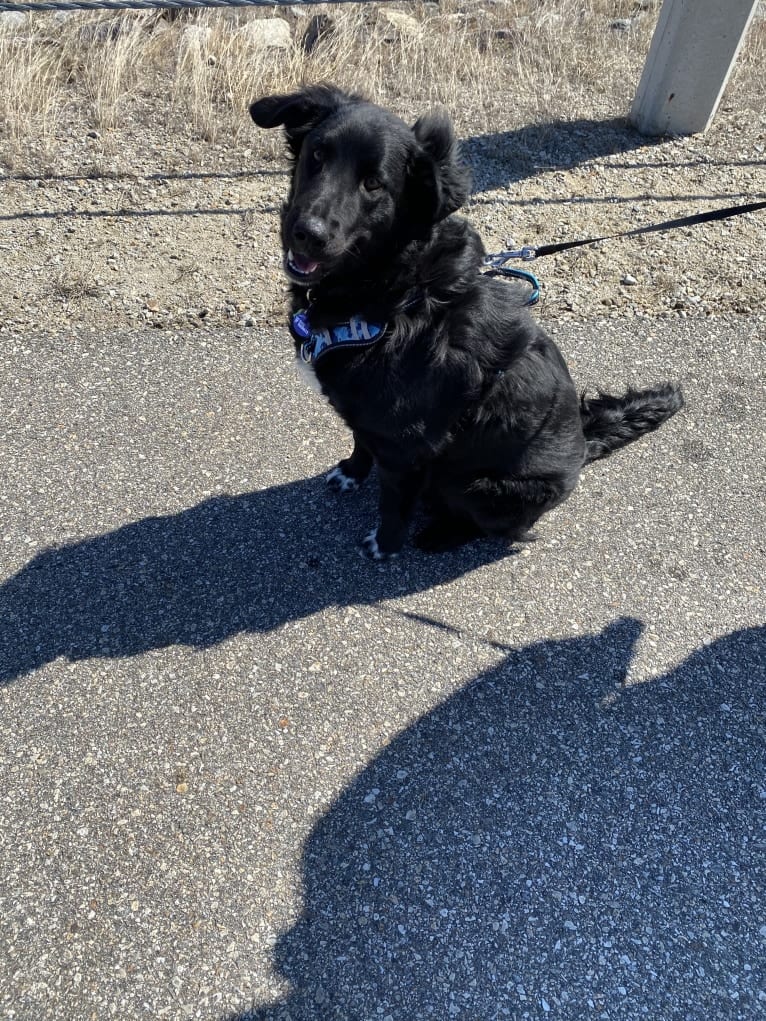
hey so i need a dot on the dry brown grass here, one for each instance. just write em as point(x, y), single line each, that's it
point(29, 87)
point(75, 284)
point(524, 63)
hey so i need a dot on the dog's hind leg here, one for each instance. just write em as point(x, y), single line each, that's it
point(351, 472)
point(446, 532)
point(507, 508)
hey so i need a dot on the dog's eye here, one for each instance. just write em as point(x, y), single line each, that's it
point(317, 157)
point(372, 183)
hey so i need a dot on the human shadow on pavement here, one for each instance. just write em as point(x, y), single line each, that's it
point(549, 841)
point(231, 564)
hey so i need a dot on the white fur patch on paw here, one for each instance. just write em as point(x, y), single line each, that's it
point(340, 482)
point(372, 551)
point(370, 546)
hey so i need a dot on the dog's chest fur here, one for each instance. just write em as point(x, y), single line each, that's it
point(306, 372)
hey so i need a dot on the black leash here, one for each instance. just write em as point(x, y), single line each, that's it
point(497, 261)
point(529, 252)
point(683, 221)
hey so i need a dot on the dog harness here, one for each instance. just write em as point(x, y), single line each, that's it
point(357, 332)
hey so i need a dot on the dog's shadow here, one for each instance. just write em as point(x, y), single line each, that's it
point(231, 564)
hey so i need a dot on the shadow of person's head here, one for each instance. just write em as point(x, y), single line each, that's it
point(547, 834)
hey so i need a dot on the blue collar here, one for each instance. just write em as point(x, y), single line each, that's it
point(357, 332)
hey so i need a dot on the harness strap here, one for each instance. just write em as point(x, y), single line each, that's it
point(519, 274)
point(356, 332)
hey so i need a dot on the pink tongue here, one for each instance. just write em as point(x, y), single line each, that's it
point(304, 265)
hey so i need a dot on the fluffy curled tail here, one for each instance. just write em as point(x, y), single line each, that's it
point(612, 422)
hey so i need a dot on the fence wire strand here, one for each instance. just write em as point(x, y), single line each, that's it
point(151, 5)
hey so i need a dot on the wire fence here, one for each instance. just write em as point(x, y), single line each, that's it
point(150, 5)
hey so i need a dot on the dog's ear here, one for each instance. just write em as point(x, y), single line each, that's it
point(440, 176)
point(299, 111)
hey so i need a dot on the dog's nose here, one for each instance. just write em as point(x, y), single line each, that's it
point(311, 234)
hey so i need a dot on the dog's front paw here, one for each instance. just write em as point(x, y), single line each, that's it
point(372, 551)
point(340, 482)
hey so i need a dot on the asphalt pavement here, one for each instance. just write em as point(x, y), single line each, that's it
point(247, 775)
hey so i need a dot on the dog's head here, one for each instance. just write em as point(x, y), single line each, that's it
point(364, 183)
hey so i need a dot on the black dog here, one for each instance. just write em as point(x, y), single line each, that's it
point(452, 391)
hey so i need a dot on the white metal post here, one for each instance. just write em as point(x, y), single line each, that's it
point(693, 51)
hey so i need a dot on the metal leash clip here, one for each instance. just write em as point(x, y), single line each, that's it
point(496, 264)
point(527, 253)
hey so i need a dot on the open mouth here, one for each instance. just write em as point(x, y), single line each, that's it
point(299, 267)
